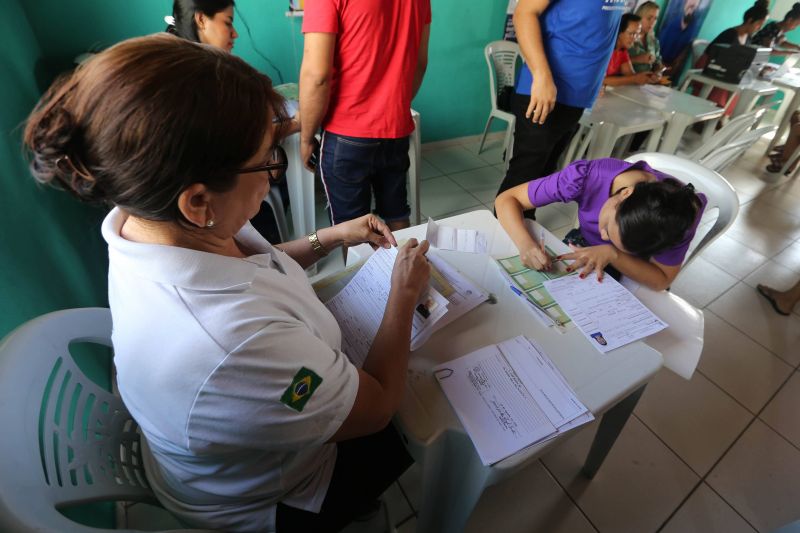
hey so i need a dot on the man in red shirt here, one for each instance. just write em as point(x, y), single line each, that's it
point(363, 62)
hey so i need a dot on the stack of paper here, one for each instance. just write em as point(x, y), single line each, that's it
point(509, 396)
point(359, 306)
point(458, 239)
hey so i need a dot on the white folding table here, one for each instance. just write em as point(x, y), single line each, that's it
point(612, 118)
point(453, 476)
point(679, 109)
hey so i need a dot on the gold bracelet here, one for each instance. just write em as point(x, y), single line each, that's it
point(316, 245)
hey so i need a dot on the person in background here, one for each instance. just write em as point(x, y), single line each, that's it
point(780, 155)
point(646, 52)
point(634, 219)
point(566, 46)
point(211, 22)
point(753, 20)
point(253, 419)
point(620, 70)
point(363, 63)
point(783, 302)
point(773, 34)
point(204, 21)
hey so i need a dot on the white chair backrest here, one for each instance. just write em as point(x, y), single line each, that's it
point(731, 131)
point(721, 157)
point(501, 58)
point(66, 440)
point(698, 48)
point(719, 193)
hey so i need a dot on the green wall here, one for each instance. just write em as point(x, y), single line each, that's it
point(453, 100)
point(723, 15)
point(52, 257)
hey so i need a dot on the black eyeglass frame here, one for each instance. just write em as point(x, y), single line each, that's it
point(278, 154)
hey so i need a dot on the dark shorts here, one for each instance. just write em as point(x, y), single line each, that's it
point(353, 168)
point(365, 468)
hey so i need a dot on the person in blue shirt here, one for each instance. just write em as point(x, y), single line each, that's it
point(566, 45)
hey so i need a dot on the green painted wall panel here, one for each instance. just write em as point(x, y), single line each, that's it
point(53, 257)
point(453, 100)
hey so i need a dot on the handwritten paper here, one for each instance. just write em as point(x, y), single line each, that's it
point(607, 313)
point(359, 307)
point(458, 239)
point(509, 396)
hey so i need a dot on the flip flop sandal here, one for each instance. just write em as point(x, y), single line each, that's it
point(771, 300)
point(774, 168)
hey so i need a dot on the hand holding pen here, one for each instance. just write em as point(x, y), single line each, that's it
point(537, 257)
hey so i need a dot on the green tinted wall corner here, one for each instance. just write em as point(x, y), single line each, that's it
point(53, 256)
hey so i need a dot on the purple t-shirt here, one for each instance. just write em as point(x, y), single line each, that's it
point(589, 183)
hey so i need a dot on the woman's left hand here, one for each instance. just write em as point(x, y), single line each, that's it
point(591, 258)
point(369, 229)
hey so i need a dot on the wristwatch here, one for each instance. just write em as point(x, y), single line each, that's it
point(316, 245)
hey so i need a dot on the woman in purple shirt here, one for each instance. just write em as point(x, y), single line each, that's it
point(633, 218)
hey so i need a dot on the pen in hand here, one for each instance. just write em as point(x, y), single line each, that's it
point(544, 250)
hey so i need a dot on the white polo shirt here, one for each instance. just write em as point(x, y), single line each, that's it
point(234, 371)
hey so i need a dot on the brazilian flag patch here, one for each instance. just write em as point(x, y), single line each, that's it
point(304, 383)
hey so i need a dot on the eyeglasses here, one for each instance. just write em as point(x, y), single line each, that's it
point(633, 33)
point(275, 167)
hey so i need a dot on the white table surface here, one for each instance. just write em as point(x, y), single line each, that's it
point(426, 418)
point(749, 91)
point(615, 117)
point(680, 110)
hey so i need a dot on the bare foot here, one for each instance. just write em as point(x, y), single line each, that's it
point(779, 300)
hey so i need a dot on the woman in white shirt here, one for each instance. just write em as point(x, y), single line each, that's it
point(253, 418)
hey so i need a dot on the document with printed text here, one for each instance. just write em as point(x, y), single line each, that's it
point(605, 312)
point(509, 396)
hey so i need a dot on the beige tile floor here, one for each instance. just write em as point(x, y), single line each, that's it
point(717, 453)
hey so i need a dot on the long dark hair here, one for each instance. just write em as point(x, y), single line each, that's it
point(183, 11)
point(626, 19)
point(759, 11)
point(793, 13)
point(656, 216)
point(138, 123)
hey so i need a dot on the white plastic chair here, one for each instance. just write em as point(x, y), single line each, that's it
point(681, 344)
point(730, 132)
point(415, 167)
point(275, 201)
point(66, 441)
point(719, 193)
point(722, 157)
point(501, 58)
point(698, 49)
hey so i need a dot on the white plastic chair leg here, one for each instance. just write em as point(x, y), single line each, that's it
point(508, 140)
point(485, 132)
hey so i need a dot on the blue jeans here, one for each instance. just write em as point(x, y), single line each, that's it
point(352, 168)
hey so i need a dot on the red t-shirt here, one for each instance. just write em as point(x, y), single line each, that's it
point(618, 58)
point(377, 42)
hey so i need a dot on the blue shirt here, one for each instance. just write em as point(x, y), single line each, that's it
point(579, 36)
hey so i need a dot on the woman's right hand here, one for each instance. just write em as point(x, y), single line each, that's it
point(643, 77)
point(411, 268)
point(536, 258)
